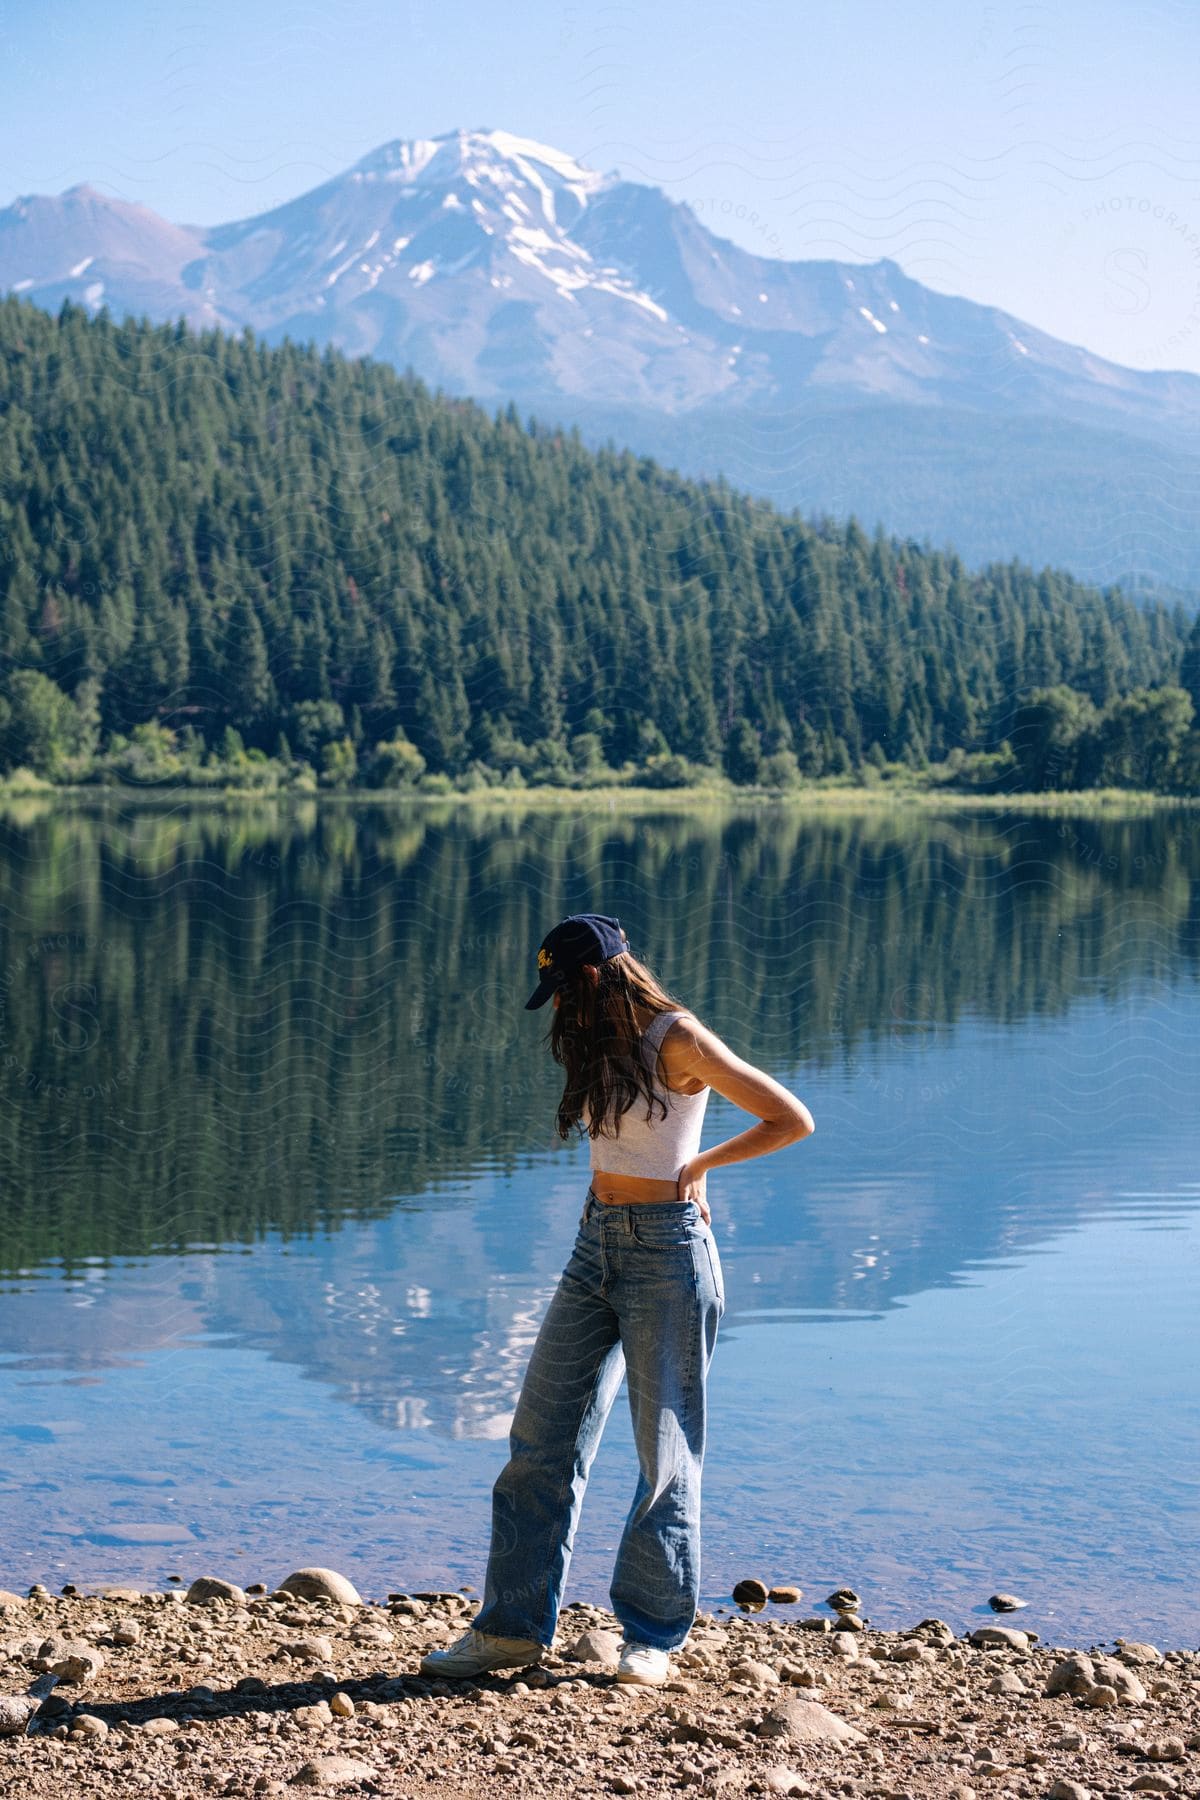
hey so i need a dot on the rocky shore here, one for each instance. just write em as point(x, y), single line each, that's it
point(214, 1690)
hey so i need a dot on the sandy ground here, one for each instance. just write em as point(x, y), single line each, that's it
point(178, 1698)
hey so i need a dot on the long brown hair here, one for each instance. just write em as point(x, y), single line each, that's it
point(595, 1035)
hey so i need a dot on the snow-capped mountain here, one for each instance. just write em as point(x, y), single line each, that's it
point(131, 259)
point(501, 268)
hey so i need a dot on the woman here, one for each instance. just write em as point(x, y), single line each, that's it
point(641, 1294)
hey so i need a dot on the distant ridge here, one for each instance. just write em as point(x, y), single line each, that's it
point(502, 268)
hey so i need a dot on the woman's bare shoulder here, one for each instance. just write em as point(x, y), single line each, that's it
point(679, 1043)
point(698, 1054)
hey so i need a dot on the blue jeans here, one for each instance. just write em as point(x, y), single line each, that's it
point(642, 1293)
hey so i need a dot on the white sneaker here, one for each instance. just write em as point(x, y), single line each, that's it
point(643, 1663)
point(475, 1652)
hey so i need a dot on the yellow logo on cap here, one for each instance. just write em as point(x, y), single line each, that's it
point(544, 959)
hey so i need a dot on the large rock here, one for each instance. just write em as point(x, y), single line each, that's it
point(843, 1600)
point(1137, 1655)
point(598, 1646)
point(332, 1772)
point(1000, 1637)
point(1080, 1676)
point(786, 1781)
point(309, 1649)
point(1117, 1675)
point(321, 1584)
point(377, 1635)
point(932, 1631)
point(1074, 1675)
point(754, 1674)
point(1167, 1749)
point(807, 1722)
point(89, 1725)
point(82, 1662)
point(314, 1717)
point(49, 1651)
point(16, 1710)
point(210, 1587)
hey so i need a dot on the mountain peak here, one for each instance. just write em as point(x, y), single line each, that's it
point(488, 161)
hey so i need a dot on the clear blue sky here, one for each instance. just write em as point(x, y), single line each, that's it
point(1044, 158)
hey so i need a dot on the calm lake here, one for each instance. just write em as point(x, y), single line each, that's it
point(282, 1203)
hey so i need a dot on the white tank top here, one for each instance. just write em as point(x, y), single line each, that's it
point(661, 1147)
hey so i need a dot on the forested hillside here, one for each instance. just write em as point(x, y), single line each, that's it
point(221, 557)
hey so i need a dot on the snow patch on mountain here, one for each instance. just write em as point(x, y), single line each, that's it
point(341, 269)
point(541, 240)
point(401, 160)
point(627, 293)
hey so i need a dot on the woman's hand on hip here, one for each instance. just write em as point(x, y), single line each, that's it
point(691, 1187)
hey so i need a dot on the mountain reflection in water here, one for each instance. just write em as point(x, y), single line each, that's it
point(278, 1137)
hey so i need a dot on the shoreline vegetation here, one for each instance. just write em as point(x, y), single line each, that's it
point(23, 784)
point(220, 1689)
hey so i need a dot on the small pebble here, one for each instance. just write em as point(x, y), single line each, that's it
point(88, 1725)
point(312, 1718)
point(333, 1772)
point(309, 1649)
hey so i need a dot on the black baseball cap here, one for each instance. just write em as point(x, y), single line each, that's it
point(581, 938)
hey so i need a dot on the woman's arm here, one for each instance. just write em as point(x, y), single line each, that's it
point(700, 1053)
